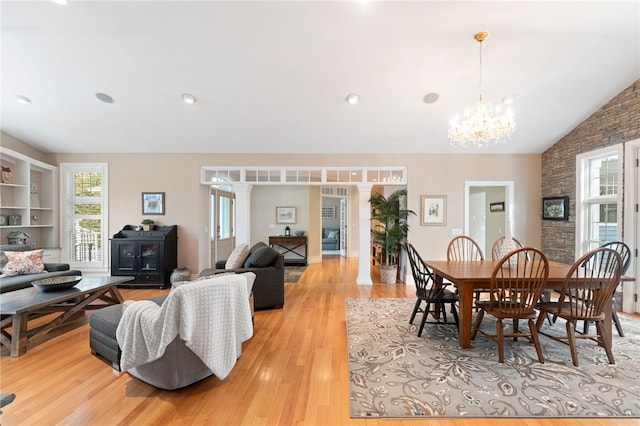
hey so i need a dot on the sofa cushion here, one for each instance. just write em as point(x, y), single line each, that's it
point(12, 247)
point(261, 258)
point(23, 262)
point(238, 256)
point(332, 235)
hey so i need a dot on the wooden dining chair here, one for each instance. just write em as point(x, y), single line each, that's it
point(586, 290)
point(496, 254)
point(496, 249)
point(514, 291)
point(464, 247)
point(428, 291)
point(625, 254)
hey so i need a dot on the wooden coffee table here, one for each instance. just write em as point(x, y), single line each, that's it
point(17, 307)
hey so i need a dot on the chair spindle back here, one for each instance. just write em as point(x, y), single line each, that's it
point(518, 280)
point(463, 247)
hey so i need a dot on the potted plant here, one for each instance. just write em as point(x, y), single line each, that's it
point(147, 224)
point(389, 230)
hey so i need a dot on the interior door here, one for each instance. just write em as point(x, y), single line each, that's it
point(221, 224)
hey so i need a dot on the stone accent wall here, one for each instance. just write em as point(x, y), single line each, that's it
point(616, 122)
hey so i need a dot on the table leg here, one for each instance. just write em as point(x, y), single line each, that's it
point(19, 335)
point(465, 313)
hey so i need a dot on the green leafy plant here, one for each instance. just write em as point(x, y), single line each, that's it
point(147, 222)
point(390, 227)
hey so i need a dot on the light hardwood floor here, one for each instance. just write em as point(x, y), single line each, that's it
point(292, 372)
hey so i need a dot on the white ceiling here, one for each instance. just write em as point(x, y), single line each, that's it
point(273, 76)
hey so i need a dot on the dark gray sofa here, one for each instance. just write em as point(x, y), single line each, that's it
point(330, 239)
point(268, 265)
point(24, 281)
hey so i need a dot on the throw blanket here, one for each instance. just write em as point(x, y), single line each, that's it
point(212, 316)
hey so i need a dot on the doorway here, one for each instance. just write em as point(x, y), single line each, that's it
point(334, 225)
point(221, 220)
point(488, 211)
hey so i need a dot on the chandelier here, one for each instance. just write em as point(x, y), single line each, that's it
point(482, 124)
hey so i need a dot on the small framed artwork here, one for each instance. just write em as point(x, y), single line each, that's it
point(153, 202)
point(555, 208)
point(496, 207)
point(286, 215)
point(433, 210)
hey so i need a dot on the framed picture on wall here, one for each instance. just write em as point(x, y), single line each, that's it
point(496, 207)
point(433, 210)
point(286, 215)
point(153, 203)
point(555, 208)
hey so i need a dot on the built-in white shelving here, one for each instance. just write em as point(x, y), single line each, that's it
point(27, 199)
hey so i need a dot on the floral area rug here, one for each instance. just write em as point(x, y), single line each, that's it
point(395, 373)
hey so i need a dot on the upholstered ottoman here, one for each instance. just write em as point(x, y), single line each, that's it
point(102, 336)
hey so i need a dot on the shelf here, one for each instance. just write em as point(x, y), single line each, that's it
point(31, 192)
point(12, 185)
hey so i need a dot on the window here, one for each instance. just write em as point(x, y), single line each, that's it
point(599, 198)
point(84, 214)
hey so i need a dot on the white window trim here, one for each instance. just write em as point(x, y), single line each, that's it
point(65, 234)
point(582, 224)
point(631, 182)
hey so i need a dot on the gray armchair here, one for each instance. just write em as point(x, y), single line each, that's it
point(268, 265)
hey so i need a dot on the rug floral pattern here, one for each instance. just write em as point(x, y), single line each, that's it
point(394, 373)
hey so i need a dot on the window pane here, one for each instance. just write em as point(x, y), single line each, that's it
point(603, 176)
point(82, 209)
point(87, 184)
point(225, 217)
point(603, 223)
point(87, 240)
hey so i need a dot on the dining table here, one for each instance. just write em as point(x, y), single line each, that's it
point(470, 275)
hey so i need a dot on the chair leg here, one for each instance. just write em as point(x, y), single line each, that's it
point(443, 308)
point(536, 340)
point(585, 328)
point(571, 336)
point(616, 321)
point(601, 340)
point(477, 326)
point(424, 320)
point(416, 308)
point(516, 329)
point(500, 339)
point(541, 316)
point(454, 311)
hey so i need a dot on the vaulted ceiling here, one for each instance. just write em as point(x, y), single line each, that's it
point(273, 76)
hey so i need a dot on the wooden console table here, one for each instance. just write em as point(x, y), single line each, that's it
point(292, 246)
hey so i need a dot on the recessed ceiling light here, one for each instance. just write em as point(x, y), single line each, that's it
point(23, 100)
point(430, 98)
point(353, 98)
point(104, 98)
point(188, 98)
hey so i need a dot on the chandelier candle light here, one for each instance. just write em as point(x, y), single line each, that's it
point(482, 124)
